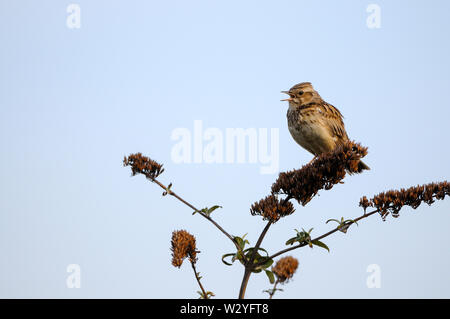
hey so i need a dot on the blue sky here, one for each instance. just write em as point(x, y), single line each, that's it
point(73, 102)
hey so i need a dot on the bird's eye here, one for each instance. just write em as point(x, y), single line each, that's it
point(300, 92)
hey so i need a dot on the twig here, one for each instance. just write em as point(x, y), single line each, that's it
point(322, 236)
point(274, 289)
point(172, 193)
point(198, 279)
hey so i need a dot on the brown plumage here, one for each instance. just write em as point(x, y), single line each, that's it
point(315, 125)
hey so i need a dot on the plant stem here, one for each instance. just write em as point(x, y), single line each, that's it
point(247, 273)
point(249, 264)
point(322, 236)
point(198, 279)
point(172, 193)
point(274, 289)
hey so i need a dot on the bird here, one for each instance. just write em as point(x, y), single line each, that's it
point(314, 124)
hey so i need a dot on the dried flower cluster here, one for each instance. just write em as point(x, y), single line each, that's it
point(183, 245)
point(323, 173)
point(271, 208)
point(392, 201)
point(143, 165)
point(285, 268)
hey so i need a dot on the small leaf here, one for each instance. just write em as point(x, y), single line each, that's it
point(351, 221)
point(249, 251)
point(266, 264)
point(343, 228)
point(320, 244)
point(271, 276)
point(239, 241)
point(302, 236)
point(210, 210)
point(239, 256)
point(291, 241)
point(168, 190)
point(267, 254)
point(228, 255)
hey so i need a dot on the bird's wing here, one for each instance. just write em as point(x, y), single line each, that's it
point(334, 121)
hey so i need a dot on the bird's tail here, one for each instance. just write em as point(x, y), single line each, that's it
point(362, 166)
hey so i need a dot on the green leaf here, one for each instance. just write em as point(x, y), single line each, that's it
point(195, 212)
point(210, 210)
point(292, 240)
point(266, 264)
point(239, 256)
point(168, 190)
point(262, 249)
point(320, 244)
point(207, 211)
point(271, 276)
point(239, 241)
point(351, 221)
point(302, 236)
point(228, 255)
point(249, 251)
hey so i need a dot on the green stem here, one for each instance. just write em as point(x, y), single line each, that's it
point(249, 264)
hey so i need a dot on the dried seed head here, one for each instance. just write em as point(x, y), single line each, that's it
point(285, 268)
point(271, 208)
point(323, 173)
point(143, 165)
point(183, 245)
point(390, 202)
point(364, 203)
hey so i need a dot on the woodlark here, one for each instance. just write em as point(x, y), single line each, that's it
point(313, 123)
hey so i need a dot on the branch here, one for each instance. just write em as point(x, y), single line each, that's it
point(324, 235)
point(197, 277)
point(391, 202)
point(172, 193)
point(151, 170)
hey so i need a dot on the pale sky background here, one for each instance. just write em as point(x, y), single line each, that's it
point(73, 102)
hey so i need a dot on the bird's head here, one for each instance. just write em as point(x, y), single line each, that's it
point(301, 94)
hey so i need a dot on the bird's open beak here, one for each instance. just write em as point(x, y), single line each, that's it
point(287, 92)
